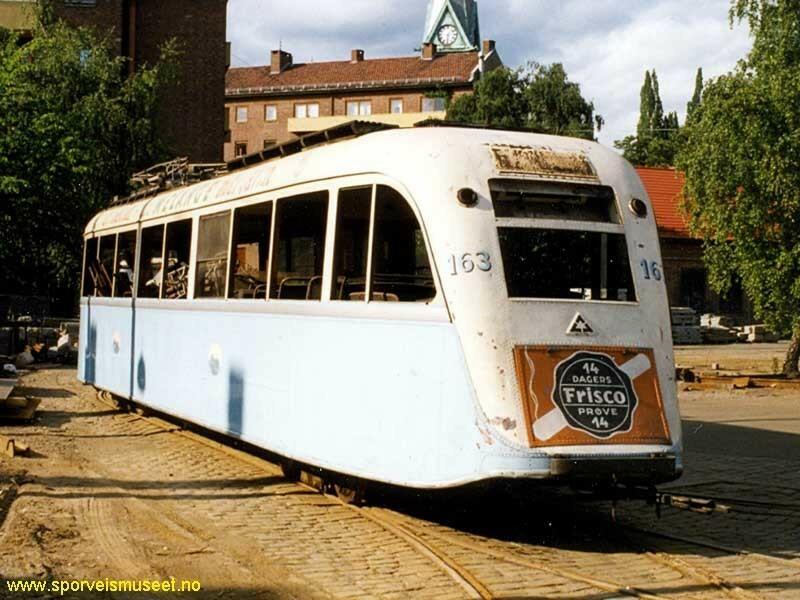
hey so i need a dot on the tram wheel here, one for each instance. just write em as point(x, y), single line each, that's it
point(290, 470)
point(352, 493)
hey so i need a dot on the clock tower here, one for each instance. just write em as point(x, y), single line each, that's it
point(453, 25)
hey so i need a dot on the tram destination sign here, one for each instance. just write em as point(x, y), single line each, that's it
point(542, 161)
point(594, 394)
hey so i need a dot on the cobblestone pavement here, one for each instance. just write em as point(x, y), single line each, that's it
point(111, 494)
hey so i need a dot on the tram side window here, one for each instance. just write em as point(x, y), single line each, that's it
point(299, 247)
point(90, 265)
point(212, 255)
point(401, 271)
point(150, 262)
point(177, 250)
point(123, 266)
point(105, 266)
point(351, 248)
point(250, 251)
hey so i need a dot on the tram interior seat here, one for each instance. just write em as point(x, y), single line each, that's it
point(300, 288)
point(213, 284)
point(177, 284)
point(249, 286)
point(376, 297)
point(100, 278)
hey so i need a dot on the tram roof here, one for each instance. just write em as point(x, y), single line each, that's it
point(391, 151)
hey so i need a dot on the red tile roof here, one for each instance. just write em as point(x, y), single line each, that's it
point(665, 186)
point(374, 73)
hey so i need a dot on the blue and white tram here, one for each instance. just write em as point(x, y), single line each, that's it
point(425, 307)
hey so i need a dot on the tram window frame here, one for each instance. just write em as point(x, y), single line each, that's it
point(105, 265)
point(261, 215)
point(607, 274)
point(204, 232)
point(347, 249)
point(396, 285)
point(125, 238)
point(548, 200)
point(177, 276)
point(289, 287)
point(90, 249)
point(156, 277)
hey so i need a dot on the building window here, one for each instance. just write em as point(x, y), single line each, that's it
point(396, 106)
point(240, 149)
point(241, 114)
point(359, 108)
point(270, 112)
point(268, 143)
point(435, 104)
point(306, 111)
point(693, 285)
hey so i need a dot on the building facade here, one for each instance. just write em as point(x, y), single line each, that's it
point(685, 273)
point(192, 118)
point(277, 102)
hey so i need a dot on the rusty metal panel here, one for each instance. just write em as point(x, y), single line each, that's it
point(591, 396)
point(528, 160)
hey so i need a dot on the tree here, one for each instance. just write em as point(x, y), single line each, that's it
point(742, 165)
point(657, 136)
point(556, 106)
point(540, 98)
point(497, 100)
point(697, 96)
point(73, 127)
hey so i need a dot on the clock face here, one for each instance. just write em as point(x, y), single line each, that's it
point(448, 35)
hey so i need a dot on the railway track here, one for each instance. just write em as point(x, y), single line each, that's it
point(644, 563)
point(704, 583)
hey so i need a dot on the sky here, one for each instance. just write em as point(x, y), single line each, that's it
point(605, 45)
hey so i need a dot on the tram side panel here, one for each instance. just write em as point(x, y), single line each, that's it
point(384, 400)
point(106, 338)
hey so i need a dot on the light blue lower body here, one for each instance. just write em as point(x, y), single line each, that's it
point(383, 400)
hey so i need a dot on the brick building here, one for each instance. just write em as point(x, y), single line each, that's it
point(684, 271)
point(276, 102)
point(192, 116)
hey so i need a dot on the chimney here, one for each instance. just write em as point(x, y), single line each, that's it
point(428, 51)
point(488, 47)
point(356, 56)
point(280, 62)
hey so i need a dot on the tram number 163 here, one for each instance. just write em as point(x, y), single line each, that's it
point(468, 263)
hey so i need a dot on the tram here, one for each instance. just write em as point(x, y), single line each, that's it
point(428, 307)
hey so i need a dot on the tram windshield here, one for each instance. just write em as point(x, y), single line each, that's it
point(559, 257)
point(565, 263)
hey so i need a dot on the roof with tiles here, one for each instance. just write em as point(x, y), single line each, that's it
point(664, 187)
point(372, 73)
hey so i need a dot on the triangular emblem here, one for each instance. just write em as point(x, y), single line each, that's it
point(579, 326)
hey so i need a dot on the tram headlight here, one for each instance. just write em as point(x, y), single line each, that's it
point(467, 197)
point(638, 207)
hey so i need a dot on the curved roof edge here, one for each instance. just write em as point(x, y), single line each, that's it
point(326, 161)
